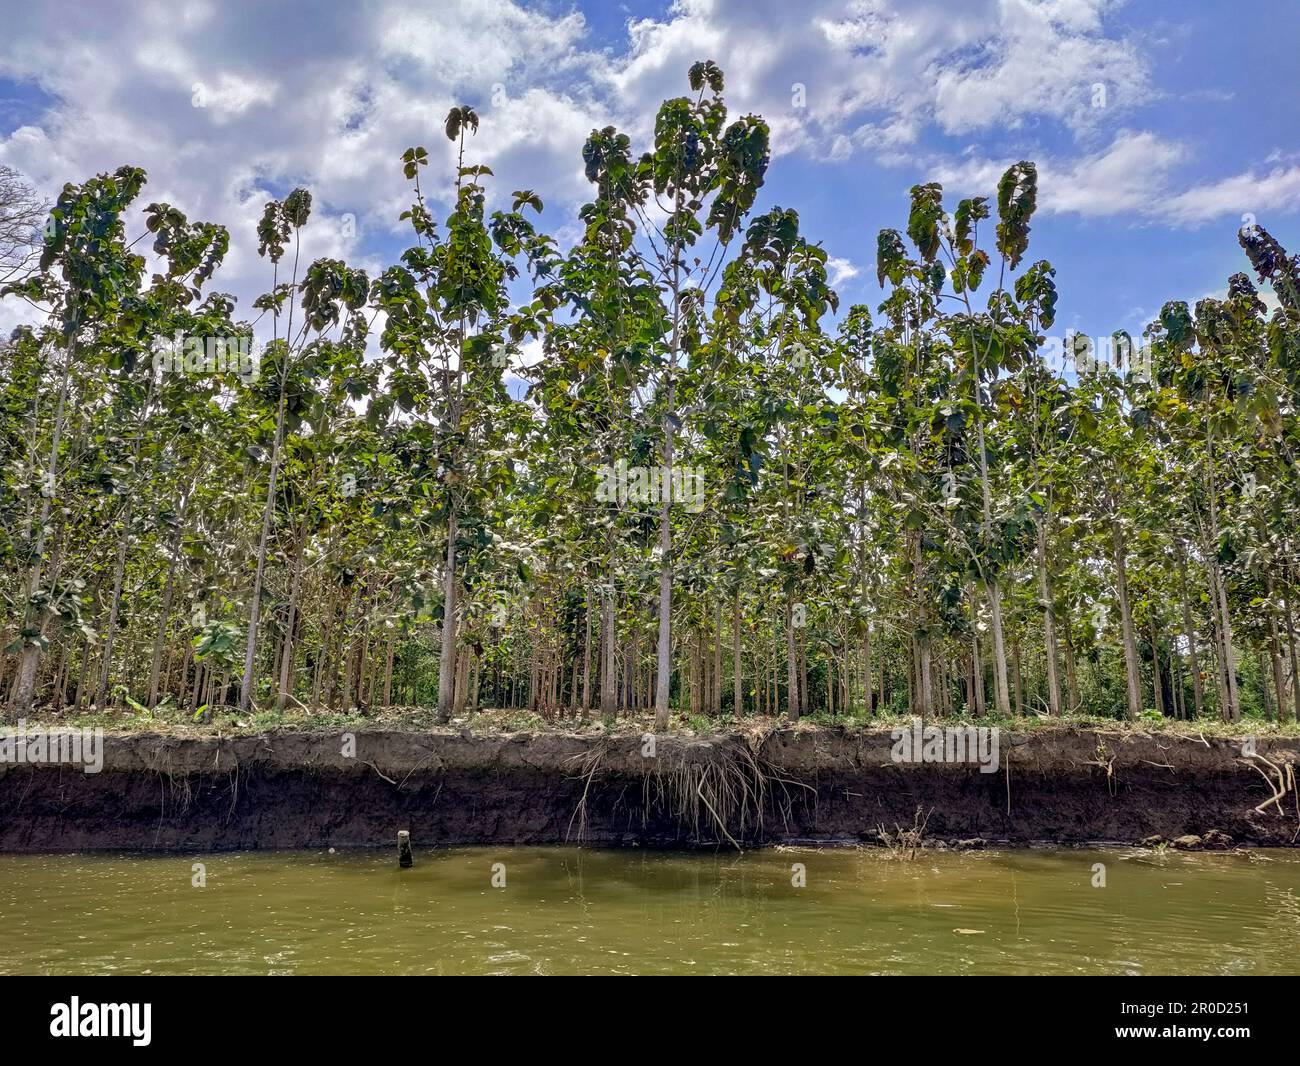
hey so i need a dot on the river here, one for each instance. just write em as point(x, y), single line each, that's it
point(563, 910)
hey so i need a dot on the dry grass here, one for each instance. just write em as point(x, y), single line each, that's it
point(227, 722)
point(905, 843)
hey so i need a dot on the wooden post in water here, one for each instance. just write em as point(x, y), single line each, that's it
point(404, 849)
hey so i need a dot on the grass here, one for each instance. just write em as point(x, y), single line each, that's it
point(226, 721)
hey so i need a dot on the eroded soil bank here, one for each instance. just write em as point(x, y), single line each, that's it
point(277, 790)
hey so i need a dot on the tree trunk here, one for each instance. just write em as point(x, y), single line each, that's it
point(1291, 643)
point(1016, 679)
point(608, 637)
point(110, 636)
point(24, 690)
point(1189, 631)
point(737, 686)
point(1050, 652)
point(1155, 669)
point(1073, 700)
point(447, 655)
point(1275, 655)
point(1132, 676)
point(284, 685)
point(388, 670)
point(1000, 692)
point(1233, 708)
point(791, 664)
point(663, 670)
point(586, 659)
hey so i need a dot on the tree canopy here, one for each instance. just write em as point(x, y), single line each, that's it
point(717, 494)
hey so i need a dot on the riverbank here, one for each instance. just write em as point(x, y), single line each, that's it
point(285, 789)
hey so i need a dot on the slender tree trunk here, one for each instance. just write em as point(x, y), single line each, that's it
point(586, 659)
point(1275, 655)
point(991, 586)
point(737, 682)
point(81, 676)
point(1073, 699)
point(1231, 709)
point(1016, 678)
point(715, 693)
point(447, 656)
point(1229, 653)
point(326, 643)
point(24, 690)
point(1132, 675)
point(608, 638)
point(791, 664)
point(867, 681)
point(1291, 643)
point(924, 678)
point(110, 636)
point(388, 670)
point(804, 707)
point(339, 649)
point(1155, 669)
point(285, 684)
point(462, 682)
point(663, 676)
point(1180, 697)
point(268, 514)
point(1050, 652)
point(1189, 631)
point(164, 622)
point(1000, 690)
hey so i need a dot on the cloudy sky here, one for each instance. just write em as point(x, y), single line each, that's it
point(1156, 124)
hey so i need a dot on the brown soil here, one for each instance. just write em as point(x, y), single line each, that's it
point(290, 790)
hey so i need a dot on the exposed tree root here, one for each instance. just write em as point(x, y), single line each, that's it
point(1285, 783)
point(711, 790)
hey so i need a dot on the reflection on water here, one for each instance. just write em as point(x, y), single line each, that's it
point(577, 911)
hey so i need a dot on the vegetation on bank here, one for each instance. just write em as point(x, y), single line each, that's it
point(910, 508)
point(495, 722)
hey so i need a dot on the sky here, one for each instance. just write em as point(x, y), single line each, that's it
point(1159, 126)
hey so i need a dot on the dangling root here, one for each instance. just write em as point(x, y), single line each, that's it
point(723, 785)
point(588, 764)
point(726, 782)
point(1285, 784)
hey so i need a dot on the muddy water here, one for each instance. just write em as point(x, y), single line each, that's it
point(572, 911)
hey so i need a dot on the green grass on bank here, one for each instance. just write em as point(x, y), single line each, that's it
point(227, 722)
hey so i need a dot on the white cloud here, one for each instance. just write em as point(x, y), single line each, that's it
point(1238, 195)
point(330, 95)
point(841, 270)
point(228, 106)
point(883, 68)
point(1136, 174)
point(1131, 174)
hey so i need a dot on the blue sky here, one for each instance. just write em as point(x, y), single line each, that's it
point(1156, 125)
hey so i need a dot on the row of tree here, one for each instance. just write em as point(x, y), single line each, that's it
point(380, 504)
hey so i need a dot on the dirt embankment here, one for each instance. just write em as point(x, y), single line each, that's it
point(313, 790)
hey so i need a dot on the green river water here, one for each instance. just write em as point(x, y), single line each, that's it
point(566, 911)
